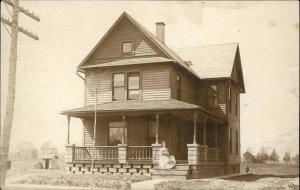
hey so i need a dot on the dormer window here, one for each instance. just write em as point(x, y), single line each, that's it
point(127, 47)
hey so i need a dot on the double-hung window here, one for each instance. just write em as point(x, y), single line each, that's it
point(131, 86)
point(178, 85)
point(229, 99)
point(118, 86)
point(133, 81)
point(127, 47)
point(212, 96)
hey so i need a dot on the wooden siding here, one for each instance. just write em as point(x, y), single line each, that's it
point(154, 79)
point(234, 124)
point(220, 111)
point(111, 46)
point(101, 132)
point(188, 85)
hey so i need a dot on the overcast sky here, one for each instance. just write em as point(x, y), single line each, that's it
point(267, 32)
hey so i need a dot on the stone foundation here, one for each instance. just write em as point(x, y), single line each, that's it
point(130, 169)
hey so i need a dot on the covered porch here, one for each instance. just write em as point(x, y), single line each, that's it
point(131, 133)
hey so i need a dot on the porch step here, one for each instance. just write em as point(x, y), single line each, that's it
point(180, 171)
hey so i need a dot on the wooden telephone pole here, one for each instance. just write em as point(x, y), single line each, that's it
point(6, 130)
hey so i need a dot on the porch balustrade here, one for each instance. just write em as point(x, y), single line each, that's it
point(139, 152)
point(101, 153)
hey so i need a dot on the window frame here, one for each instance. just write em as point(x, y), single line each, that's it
point(237, 142)
point(132, 48)
point(113, 86)
point(126, 132)
point(230, 99)
point(213, 97)
point(151, 139)
point(178, 87)
point(127, 85)
point(236, 103)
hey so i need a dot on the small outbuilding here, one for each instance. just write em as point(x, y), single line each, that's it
point(49, 156)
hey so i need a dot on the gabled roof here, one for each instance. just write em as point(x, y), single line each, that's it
point(214, 61)
point(165, 49)
point(211, 61)
point(47, 145)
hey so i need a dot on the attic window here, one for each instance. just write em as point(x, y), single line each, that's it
point(127, 47)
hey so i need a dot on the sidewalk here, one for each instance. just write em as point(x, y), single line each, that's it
point(47, 187)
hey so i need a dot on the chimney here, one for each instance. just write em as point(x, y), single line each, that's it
point(160, 31)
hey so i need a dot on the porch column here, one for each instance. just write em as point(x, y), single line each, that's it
point(157, 125)
point(216, 142)
point(204, 139)
point(124, 123)
point(195, 128)
point(68, 140)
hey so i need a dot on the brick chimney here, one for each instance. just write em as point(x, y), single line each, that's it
point(160, 31)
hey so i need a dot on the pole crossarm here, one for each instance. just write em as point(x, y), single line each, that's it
point(26, 12)
point(21, 29)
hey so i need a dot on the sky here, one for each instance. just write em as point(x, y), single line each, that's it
point(267, 33)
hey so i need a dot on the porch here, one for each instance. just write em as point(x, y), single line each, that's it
point(129, 141)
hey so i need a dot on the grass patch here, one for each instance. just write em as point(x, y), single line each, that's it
point(115, 181)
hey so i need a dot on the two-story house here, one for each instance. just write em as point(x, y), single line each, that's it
point(143, 93)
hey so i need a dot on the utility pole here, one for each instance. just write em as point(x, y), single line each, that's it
point(6, 130)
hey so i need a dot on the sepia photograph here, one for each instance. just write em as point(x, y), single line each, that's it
point(149, 95)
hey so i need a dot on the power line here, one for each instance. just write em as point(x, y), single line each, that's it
point(6, 29)
point(8, 10)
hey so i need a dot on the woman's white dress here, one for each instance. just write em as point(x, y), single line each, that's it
point(166, 162)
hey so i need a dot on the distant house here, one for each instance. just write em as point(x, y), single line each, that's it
point(249, 157)
point(25, 151)
point(49, 156)
point(148, 93)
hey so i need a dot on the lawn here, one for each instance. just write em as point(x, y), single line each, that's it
point(261, 177)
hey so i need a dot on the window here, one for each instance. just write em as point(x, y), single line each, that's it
point(178, 86)
point(118, 86)
point(212, 96)
point(127, 47)
point(236, 103)
point(116, 133)
point(230, 140)
point(133, 86)
point(237, 142)
point(229, 99)
point(151, 130)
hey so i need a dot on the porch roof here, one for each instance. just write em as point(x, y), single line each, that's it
point(137, 106)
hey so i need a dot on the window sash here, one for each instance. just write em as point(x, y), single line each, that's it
point(127, 47)
point(212, 96)
point(116, 132)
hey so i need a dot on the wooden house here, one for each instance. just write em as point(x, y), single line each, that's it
point(49, 156)
point(147, 93)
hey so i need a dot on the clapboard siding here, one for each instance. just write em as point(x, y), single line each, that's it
point(101, 132)
point(188, 85)
point(155, 83)
point(125, 31)
point(220, 111)
point(234, 123)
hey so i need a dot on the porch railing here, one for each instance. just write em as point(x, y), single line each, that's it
point(139, 152)
point(101, 153)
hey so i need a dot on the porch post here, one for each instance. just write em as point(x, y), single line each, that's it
point(216, 142)
point(204, 139)
point(123, 136)
point(195, 128)
point(68, 140)
point(157, 125)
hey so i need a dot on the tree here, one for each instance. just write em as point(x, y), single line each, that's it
point(287, 158)
point(274, 156)
point(262, 156)
point(296, 159)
